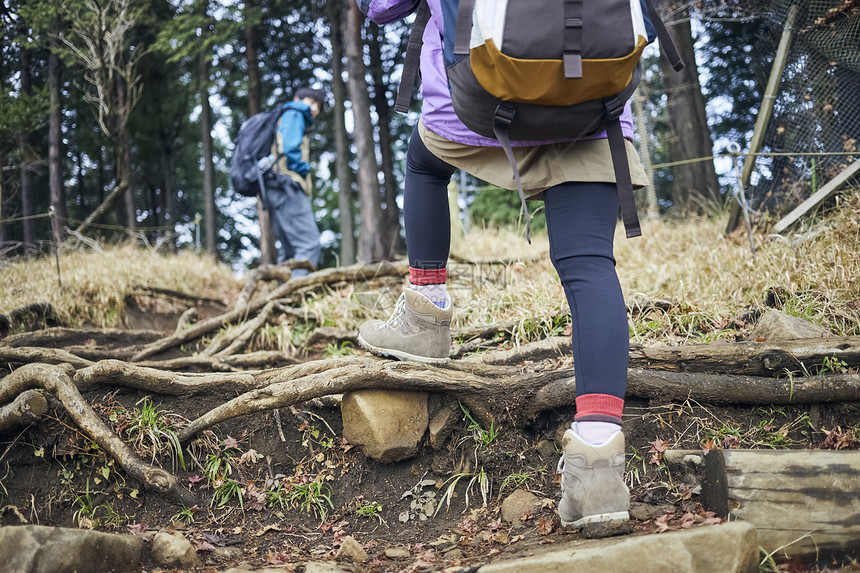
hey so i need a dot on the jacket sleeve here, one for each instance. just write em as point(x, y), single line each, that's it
point(291, 129)
point(385, 11)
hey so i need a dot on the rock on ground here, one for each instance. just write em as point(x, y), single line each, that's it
point(351, 550)
point(173, 550)
point(777, 325)
point(40, 549)
point(387, 424)
point(727, 548)
point(518, 503)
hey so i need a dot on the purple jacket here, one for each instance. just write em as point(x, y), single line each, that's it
point(437, 111)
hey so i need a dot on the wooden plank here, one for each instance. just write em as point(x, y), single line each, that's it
point(816, 199)
point(802, 502)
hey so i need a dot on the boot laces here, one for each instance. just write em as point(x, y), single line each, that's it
point(397, 315)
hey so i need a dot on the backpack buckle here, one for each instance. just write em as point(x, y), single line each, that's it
point(504, 114)
point(614, 106)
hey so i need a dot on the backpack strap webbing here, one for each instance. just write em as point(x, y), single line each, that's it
point(412, 61)
point(502, 119)
point(572, 39)
point(618, 151)
point(666, 42)
point(463, 32)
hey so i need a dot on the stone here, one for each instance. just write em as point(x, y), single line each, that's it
point(518, 503)
point(686, 466)
point(388, 424)
point(441, 424)
point(173, 550)
point(227, 553)
point(265, 570)
point(351, 550)
point(453, 555)
point(727, 548)
point(41, 549)
point(320, 567)
point(777, 325)
point(546, 449)
point(397, 553)
point(644, 512)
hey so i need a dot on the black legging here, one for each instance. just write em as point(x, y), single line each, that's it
point(581, 220)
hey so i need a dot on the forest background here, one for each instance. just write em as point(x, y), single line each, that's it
point(117, 118)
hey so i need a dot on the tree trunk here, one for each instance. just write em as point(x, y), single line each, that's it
point(208, 165)
point(167, 199)
point(342, 171)
point(695, 187)
point(124, 153)
point(391, 214)
point(55, 164)
point(4, 228)
point(26, 174)
point(371, 246)
point(268, 254)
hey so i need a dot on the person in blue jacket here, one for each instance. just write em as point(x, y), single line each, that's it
point(288, 181)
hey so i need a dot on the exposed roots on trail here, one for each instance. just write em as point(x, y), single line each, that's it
point(57, 380)
point(241, 313)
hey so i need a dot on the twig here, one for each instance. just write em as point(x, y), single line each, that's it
point(280, 427)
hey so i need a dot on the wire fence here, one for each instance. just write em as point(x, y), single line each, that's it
point(811, 130)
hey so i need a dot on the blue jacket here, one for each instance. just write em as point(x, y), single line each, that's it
point(290, 142)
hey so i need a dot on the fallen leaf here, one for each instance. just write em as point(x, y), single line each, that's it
point(204, 546)
point(544, 526)
point(278, 557)
point(658, 446)
point(138, 528)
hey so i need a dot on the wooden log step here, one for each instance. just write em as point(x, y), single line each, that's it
point(802, 502)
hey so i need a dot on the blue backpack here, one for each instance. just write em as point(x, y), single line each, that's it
point(538, 70)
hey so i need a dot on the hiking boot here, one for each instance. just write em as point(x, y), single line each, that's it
point(593, 493)
point(417, 330)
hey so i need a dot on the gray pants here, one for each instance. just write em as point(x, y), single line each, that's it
point(292, 222)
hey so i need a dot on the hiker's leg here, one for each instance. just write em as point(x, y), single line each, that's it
point(277, 207)
point(426, 219)
point(300, 230)
point(420, 326)
point(581, 219)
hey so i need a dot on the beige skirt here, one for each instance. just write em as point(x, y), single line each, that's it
point(540, 166)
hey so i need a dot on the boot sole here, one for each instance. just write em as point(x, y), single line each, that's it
point(603, 524)
point(399, 355)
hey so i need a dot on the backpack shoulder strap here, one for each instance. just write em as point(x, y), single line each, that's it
point(666, 42)
point(412, 60)
point(618, 151)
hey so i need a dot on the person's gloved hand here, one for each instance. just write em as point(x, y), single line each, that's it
point(266, 163)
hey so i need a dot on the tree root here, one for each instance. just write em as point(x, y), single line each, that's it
point(236, 338)
point(235, 363)
point(327, 276)
point(30, 355)
point(26, 409)
point(520, 393)
point(57, 381)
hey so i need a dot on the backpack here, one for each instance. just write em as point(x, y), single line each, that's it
point(252, 144)
point(540, 70)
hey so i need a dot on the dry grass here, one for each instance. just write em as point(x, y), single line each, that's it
point(710, 279)
point(95, 284)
